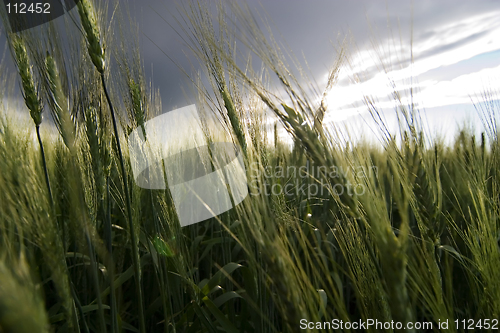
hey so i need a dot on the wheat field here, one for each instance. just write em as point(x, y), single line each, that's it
point(405, 231)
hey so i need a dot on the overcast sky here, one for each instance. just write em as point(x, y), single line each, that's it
point(456, 49)
point(455, 44)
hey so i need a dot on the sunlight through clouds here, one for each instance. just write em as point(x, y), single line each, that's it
point(461, 89)
point(371, 71)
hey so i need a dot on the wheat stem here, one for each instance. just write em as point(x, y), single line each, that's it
point(133, 238)
point(96, 52)
point(111, 265)
point(45, 170)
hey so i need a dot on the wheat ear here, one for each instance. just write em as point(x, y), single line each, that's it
point(89, 23)
point(58, 103)
point(24, 68)
point(31, 97)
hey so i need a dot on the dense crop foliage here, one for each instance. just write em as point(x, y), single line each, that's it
point(406, 231)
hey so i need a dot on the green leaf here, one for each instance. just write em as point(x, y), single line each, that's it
point(202, 315)
point(451, 250)
point(123, 277)
point(219, 301)
point(93, 307)
point(162, 247)
point(221, 318)
point(324, 301)
point(218, 277)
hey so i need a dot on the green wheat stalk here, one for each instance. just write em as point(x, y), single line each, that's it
point(31, 97)
point(96, 52)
